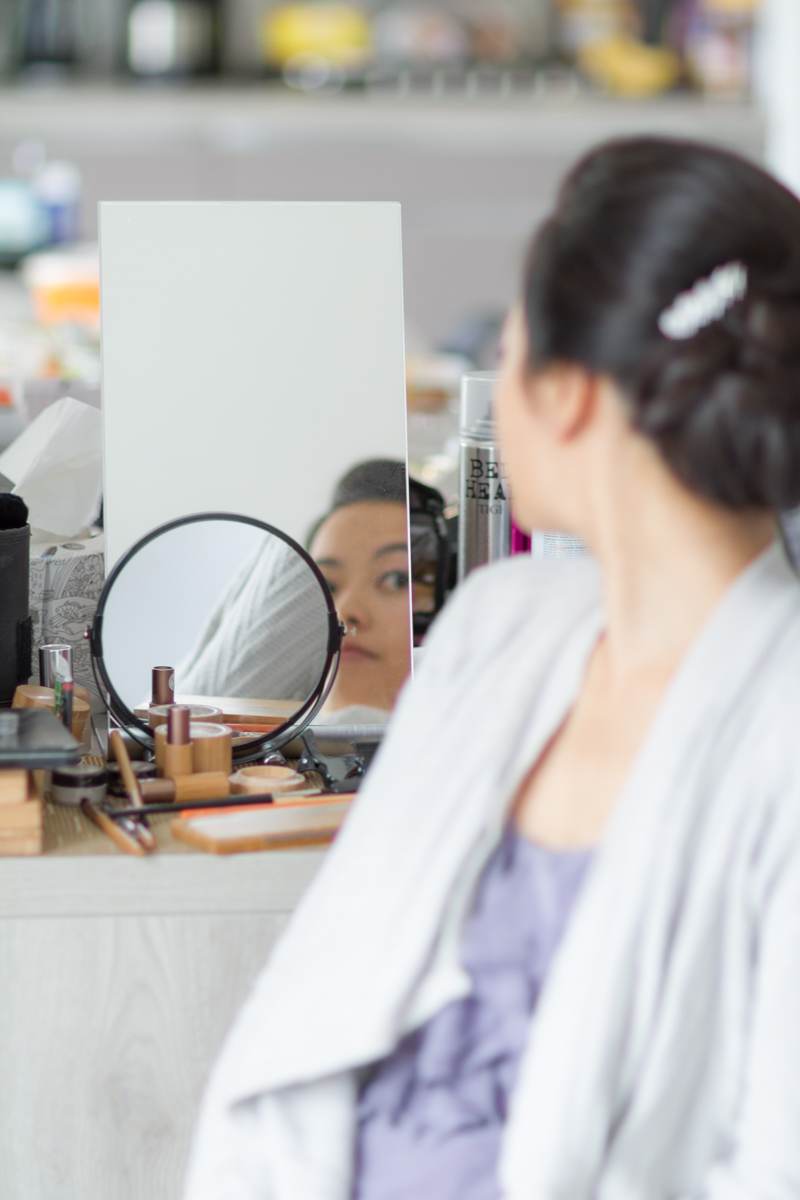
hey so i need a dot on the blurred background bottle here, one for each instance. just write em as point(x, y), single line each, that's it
point(173, 38)
point(484, 509)
point(50, 34)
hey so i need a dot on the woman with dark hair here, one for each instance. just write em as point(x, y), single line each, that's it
point(361, 547)
point(555, 951)
point(267, 636)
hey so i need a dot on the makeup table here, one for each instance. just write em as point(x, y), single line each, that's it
point(119, 978)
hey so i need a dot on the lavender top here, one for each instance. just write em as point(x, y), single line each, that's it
point(431, 1115)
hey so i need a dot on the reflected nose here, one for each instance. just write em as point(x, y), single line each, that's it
point(353, 610)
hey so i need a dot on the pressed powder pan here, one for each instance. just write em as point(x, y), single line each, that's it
point(267, 779)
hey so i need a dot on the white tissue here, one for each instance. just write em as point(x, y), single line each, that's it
point(56, 466)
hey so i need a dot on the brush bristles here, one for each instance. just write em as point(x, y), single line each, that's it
point(13, 511)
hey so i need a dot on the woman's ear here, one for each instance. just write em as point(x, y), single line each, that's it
point(565, 397)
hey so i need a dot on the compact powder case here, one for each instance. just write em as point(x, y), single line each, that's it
point(142, 771)
point(72, 785)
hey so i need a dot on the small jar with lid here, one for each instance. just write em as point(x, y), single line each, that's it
point(73, 784)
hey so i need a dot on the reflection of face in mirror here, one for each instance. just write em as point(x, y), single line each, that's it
point(362, 551)
point(243, 618)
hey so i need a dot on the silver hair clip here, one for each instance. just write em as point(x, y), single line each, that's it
point(707, 301)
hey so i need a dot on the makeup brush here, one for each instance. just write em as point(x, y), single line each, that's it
point(132, 788)
point(131, 845)
point(13, 511)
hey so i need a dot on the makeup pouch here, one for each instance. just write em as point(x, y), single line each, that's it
point(15, 623)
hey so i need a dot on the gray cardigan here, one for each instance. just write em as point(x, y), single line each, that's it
point(664, 1056)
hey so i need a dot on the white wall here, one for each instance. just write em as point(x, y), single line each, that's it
point(778, 86)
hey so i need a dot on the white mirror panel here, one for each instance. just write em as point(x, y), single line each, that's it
point(252, 354)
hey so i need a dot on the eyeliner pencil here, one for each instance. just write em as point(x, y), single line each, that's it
point(223, 802)
point(187, 805)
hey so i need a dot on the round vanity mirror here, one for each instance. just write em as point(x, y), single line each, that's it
point(242, 614)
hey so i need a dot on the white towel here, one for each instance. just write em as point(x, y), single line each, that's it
point(664, 1058)
point(267, 637)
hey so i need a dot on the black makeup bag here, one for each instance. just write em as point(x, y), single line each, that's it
point(16, 633)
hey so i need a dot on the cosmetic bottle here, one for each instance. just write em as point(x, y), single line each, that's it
point(55, 660)
point(178, 759)
point(520, 540)
point(546, 543)
point(58, 185)
point(484, 509)
point(163, 686)
point(172, 38)
point(212, 747)
point(55, 671)
point(49, 34)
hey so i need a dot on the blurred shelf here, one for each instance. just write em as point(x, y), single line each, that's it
point(223, 119)
point(474, 175)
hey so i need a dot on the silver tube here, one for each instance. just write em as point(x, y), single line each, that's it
point(55, 662)
point(348, 733)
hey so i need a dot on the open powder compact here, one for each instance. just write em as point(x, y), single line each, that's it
point(275, 779)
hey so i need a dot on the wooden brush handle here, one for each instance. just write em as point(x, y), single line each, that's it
point(117, 835)
point(125, 768)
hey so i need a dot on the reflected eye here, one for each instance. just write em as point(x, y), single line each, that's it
point(331, 585)
point(393, 581)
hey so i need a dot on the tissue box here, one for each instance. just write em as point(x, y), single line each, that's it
point(65, 584)
point(56, 465)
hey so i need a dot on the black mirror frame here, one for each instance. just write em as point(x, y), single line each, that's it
point(259, 746)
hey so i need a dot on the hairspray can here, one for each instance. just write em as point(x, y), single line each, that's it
point(484, 508)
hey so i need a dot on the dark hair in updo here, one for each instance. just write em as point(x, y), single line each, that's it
point(638, 222)
point(376, 481)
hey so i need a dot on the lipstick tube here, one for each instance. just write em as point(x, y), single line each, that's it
point(207, 786)
point(163, 685)
point(178, 746)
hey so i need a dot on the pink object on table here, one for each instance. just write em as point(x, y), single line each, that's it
point(520, 541)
